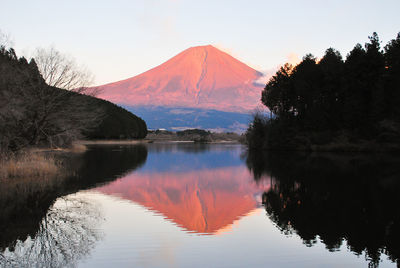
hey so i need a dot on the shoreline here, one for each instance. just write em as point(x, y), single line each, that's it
point(148, 141)
point(111, 142)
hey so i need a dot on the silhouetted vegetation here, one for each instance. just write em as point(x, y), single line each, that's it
point(334, 104)
point(196, 135)
point(336, 199)
point(34, 110)
point(117, 123)
point(200, 132)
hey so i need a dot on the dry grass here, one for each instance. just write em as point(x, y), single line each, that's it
point(29, 165)
point(27, 182)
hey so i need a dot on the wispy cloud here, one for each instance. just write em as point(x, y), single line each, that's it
point(267, 74)
point(292, 58)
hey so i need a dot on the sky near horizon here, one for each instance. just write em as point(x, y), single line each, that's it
point(119, 39)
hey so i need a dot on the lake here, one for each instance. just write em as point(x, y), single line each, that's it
point(209, 205)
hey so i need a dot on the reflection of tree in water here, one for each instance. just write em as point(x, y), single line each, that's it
point(52, 233)
point(102, 164)
point(24, 203)
point(66, 234)
point(351, 198)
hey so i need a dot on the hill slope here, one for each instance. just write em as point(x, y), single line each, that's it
point(116, 123)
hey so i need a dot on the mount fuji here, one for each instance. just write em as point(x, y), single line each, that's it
point(201, 87)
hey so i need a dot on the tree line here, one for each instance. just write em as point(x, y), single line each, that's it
point(320, 101)
point(46, 101)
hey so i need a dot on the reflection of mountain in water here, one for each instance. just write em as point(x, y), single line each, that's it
point(201, 201)
point(27, 206)
point(352, 198)
point(200, 187)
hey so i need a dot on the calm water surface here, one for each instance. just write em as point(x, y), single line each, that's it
point(193, 205)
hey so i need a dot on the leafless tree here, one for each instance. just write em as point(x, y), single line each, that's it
point(61, 71)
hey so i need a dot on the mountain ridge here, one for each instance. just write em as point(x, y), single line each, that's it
point(198, 77)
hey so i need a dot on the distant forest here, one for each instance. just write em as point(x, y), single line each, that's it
point(32, 112)
point(332, 103)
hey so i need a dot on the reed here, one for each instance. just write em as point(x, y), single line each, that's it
point(29, 164)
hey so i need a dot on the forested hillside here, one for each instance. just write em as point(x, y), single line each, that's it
point(32, 112)
point(346, 104)
point(117, 123)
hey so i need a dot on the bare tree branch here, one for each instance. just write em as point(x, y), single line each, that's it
point(61, 71)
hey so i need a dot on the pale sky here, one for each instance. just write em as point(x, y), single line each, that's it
point(119, 39)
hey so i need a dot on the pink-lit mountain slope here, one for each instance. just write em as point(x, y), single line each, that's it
point(199, 77)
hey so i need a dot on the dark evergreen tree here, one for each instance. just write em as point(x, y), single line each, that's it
point(307, 78)
point(279, 93)
point(332, 93)
point(357, 99)
point(375, 77)
point(392, 82)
